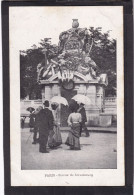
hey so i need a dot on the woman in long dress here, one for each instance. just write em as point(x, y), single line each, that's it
point(74, 121)
point(31, 120)
point(55, 138)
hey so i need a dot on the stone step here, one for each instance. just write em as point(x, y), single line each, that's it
point(95, 129)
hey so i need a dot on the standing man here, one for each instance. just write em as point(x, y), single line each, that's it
point(82, 111)
point(45, 126)
point(36, 125)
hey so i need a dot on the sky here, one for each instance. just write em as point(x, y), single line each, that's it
point(31, 24)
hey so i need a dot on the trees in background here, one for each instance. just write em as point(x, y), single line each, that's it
point(28, 73)
point(103, 52)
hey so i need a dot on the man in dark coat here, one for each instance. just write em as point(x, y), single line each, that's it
point(45, 126)
point(83, 127)
point(36, 125)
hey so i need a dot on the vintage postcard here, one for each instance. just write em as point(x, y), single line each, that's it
point(66, 96)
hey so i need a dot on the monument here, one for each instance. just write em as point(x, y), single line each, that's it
point(73, 72)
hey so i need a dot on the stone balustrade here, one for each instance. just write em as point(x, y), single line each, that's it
point(29, 103)
point(110, 99)
point(110, 105)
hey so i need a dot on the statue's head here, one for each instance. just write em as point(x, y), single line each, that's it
point(75, 23)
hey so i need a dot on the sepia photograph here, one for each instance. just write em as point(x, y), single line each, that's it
point(69, 102)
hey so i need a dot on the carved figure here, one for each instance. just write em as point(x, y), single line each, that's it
point(74, 38)
point(45, 73)
point(75, 23)
point(40, 69)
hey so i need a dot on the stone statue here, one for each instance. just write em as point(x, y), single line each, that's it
point(74, 55)
point(74, 38)
point(42, 73)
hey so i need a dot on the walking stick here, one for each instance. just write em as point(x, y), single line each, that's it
point(29, 137)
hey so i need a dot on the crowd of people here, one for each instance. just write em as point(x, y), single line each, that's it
point(46, 121)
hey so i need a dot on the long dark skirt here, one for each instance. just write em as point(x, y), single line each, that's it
point(31, 121)
point(73, 137)
point(55, 139)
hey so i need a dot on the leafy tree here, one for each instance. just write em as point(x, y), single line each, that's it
point(103, 52)
point(28, 74)
point(29, 60)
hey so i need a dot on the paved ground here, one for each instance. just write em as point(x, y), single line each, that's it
point(97, 152)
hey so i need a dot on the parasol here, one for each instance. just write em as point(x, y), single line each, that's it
point(82, 99)
point(59, 100)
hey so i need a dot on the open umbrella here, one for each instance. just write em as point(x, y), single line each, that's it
point(82, 99)
point(59, 100)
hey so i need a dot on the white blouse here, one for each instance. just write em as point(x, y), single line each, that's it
point(74, 118)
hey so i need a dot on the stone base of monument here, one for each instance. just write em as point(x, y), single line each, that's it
point(93, 120)
point(96, 118)
point(105, 119)
point(93, 115)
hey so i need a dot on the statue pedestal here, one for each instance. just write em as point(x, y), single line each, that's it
point(50, 90)
point(91, 89)
point(105, 119)
point(92, 116)
point(93, 110)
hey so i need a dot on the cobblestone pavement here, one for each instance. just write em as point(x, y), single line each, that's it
point(97, 152)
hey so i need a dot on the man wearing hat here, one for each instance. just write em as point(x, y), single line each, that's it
point(45, 126)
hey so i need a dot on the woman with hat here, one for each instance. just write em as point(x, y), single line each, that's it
point(55, 139)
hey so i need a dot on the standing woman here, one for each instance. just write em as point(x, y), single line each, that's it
point(74, 121)
point(55, 139)
point(31, 120)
